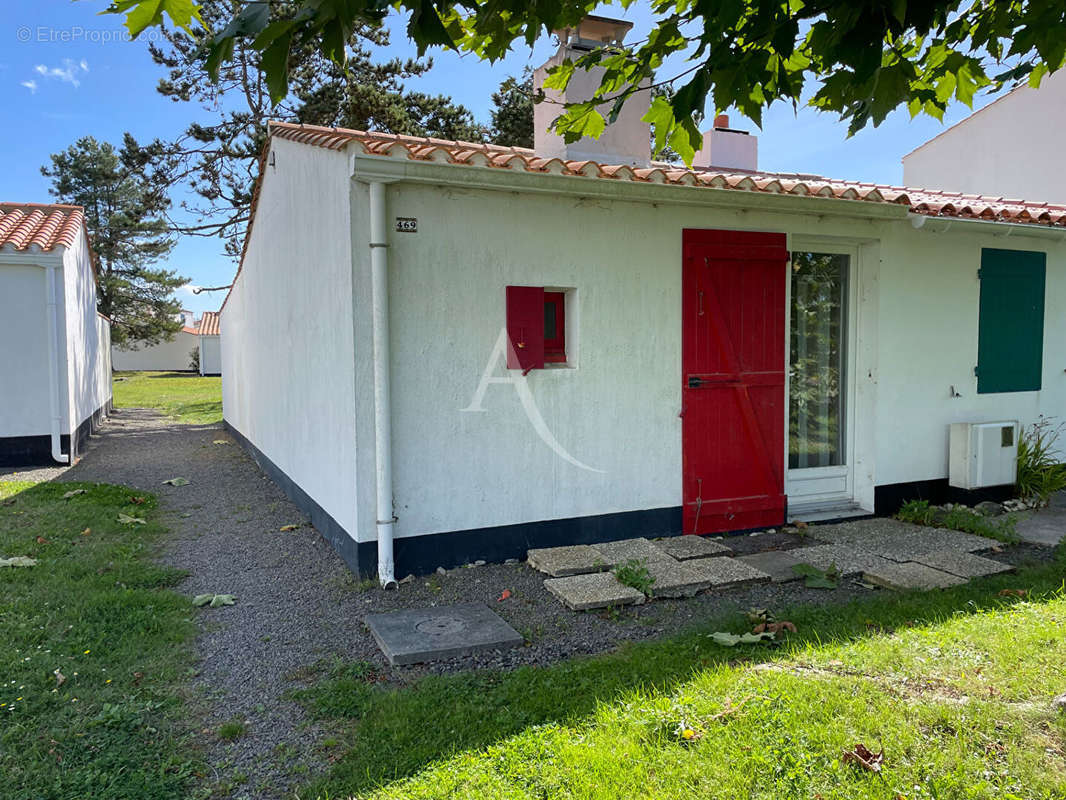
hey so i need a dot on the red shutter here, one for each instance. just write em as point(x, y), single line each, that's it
point(525, 327)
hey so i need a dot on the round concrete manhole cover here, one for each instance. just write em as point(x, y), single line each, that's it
point(441, 626)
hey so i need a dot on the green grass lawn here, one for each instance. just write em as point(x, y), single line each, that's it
point(185, 397)
point(94, 648)
point(955, 686)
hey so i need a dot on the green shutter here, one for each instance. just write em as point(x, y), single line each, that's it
point(1010, 347)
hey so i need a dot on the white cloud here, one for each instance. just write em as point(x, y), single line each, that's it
point(31, 85)
point(68, 73)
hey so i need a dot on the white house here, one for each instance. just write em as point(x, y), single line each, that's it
point(1010, 148)
point(56, 348)
point(448, 351)
point(209, 335)
point(173, 355)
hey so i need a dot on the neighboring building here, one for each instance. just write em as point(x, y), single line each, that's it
point(449, 351)
point(210, 335)
point(174, 355)
point(1010, 148)
point(55, 357)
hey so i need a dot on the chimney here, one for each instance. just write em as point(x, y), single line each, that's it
point(627, 140)
point(728, 149)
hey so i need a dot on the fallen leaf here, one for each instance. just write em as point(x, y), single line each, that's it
point(774, 627)
point(137, 500)
point(800, 524)
point(733, 639)
point(126, 519)
point(213, 600)
point(73, 493)
point(18, 561)
point(41, 540)
point(814, 578)
point(137, 678)
point(177, 481)
point(1013, 592)
point(287, 528)
point(503, 595)
point(220, 441)
point(86, 532)
point(864, 758)
point(60, 677)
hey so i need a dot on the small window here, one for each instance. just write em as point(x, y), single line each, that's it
point(536, 327)
point(1010, 339)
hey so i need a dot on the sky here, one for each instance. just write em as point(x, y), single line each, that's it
point(66, 72)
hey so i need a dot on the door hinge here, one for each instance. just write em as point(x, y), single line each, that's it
point(978, 274)
point(975, 371)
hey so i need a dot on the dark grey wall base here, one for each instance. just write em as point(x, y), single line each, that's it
point(888, 499)
point(210, 374)
point(330, 529)
point(36, 451)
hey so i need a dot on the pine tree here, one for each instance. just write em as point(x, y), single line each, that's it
point(124, 194)
point(512, 115)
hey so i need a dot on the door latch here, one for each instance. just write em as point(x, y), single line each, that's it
point(695, 382)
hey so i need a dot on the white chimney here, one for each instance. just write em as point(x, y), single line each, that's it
point(625, 141)
point(728, 149)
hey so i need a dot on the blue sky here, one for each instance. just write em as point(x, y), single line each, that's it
point(67, 72)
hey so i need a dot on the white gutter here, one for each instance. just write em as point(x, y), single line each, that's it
point(998, 228)
point(53, 371)
point(379, 271)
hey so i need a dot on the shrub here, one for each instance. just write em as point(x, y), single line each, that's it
point(194, 359)
point(1040, 474)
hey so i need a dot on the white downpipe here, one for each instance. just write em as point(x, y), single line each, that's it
point(53, 371)
point(379, 269)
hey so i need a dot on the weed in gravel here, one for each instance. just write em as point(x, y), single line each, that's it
point(635, 575)
point(232, 730)
point(959, 518)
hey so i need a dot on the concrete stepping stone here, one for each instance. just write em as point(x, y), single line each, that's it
point(685, 547)
point(848, 559)
point(963, 565)
point(573, 559)
point(615, 553)
point(677, 578)
point(593, 590)
point(416, 635)
point(777, 564)
point(911, 575)
point(725, 572)
point(1045, 528)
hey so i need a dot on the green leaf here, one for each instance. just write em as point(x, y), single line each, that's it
point(733, 639)
point(213, 600)
point(18, 561)
point(274, 62)
point(815, 578)
point(581, 119)
point(559, 76)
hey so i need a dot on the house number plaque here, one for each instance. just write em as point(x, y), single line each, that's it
point(407, 224)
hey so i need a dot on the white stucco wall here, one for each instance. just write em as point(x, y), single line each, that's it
point(287, 354)
point(24, 387)
point(1010, 148)
point(618, 410)
point(88, 343)
point(210, 355)
point(172, 356)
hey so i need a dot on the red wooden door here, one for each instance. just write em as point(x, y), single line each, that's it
point(733, 373)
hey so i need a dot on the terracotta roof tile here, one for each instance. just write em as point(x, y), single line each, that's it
point(920, 201)
point(210, 323)
point(25, 225)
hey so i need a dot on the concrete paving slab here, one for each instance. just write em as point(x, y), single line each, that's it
point(724, 572)
point(964, 565)
point(615, 553)
point(677, 578)
point(558, 562)
point(418, 635)
point(686, 547)
point(777, 564)
point(911, 575)
point(849, 559)
point(593, 590)
point(1045, 528)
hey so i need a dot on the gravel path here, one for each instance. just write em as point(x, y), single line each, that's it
point(298, 605)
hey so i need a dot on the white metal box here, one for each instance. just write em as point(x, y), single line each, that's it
point(983, 454)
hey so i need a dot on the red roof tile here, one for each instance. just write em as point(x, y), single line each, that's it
point(929, 202)
point(24, 225)
point(209, 323)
